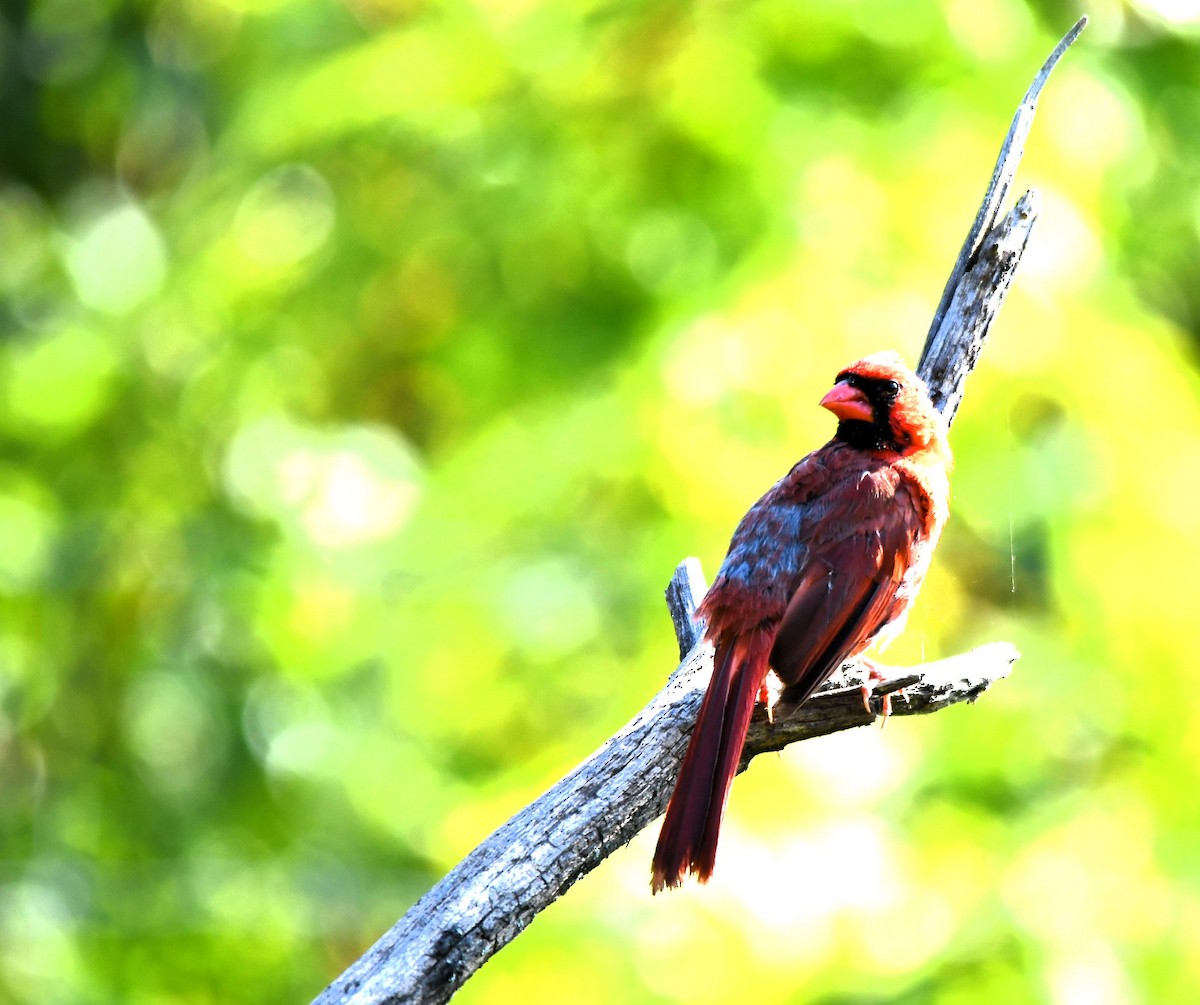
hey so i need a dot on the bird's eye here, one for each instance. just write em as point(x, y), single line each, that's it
point(890, 388)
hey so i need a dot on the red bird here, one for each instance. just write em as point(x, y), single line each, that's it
point(832, 555)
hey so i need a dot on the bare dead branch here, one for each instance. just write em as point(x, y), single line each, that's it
point(1011, 151)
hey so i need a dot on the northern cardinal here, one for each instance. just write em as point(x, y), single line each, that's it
point(817, 569)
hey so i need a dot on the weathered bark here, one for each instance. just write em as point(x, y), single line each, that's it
point(948, 357)
point(489, 897)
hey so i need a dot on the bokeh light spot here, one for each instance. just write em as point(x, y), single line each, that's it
point(26, 536)
point(340, 488)
point(285, 217)
point(672, 251)
point(550, 607)
point(58, 383)
point(172, 728)
point(1176, 13)
point(118, 260)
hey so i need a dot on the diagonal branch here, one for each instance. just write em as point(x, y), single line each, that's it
point(1011, 151)
point(489, 897)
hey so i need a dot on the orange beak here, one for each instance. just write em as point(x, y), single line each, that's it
point(847, 402)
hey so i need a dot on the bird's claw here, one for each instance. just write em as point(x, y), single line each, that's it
point(769, 692)
point(875, 674)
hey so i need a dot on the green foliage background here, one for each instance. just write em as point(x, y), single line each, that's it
point(366, 368)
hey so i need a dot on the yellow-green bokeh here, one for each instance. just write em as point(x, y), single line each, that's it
point(367, 367)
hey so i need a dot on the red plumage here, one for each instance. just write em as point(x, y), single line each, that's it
point(817, 569)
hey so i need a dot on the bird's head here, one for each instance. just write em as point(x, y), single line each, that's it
point(882, 405)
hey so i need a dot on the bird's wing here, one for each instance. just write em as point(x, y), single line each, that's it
point(845, 593)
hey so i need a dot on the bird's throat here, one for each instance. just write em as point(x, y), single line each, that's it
point(865, 435)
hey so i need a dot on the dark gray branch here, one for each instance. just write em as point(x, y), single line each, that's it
point(952, 350)
point(684, 593)
point(988, 258)
point(489, 897)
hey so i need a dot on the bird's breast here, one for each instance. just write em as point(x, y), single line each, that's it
point(879, 484)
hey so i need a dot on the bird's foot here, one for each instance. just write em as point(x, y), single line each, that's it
point(875, 674)
point(769, 692)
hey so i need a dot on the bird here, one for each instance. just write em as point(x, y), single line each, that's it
point(828, 561)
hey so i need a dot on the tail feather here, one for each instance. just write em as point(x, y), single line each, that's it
point(688, 840)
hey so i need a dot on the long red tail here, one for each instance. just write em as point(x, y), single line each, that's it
point(688, 839)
